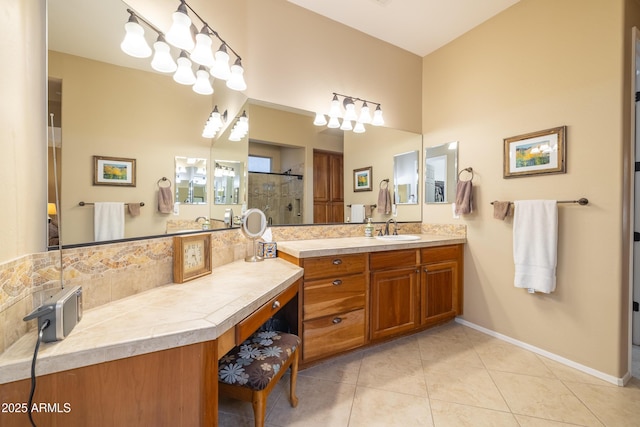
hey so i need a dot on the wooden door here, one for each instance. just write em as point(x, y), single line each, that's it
point(328, 192)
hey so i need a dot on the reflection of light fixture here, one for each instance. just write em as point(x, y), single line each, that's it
point(181, 37)
point(51, 209)
point(214, 123)
point(350, 115)
point(222, 170)
point(240, 129)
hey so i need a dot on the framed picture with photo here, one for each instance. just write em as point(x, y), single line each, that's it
point(362, 179)
point(536, 153)
point(116, 171)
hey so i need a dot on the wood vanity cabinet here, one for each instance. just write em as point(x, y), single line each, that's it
point(394, 292)
point(333, 308)
point(440, 284)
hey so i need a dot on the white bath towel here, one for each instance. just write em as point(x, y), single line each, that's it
point(535, 244)
point(357, 213)
point(108, 221)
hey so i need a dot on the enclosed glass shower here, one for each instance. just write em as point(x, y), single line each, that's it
point(278, 195)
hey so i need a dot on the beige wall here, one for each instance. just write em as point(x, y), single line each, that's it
point(538, 65)
point(23, 129)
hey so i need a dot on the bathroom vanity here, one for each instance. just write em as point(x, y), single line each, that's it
point(360, 291)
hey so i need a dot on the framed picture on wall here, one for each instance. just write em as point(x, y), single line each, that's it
point(535, 153)
point(114, 171)
point(362, 179)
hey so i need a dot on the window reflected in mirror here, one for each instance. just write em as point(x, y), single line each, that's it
point(191, 180)
point(441, 173)
point(406, 176)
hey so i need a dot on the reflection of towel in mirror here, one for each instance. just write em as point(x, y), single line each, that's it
point(357, 213)
point(134, 209)
point(108, 221)
point(464, 191)
point(165, 200)
point(535, 244)
point(384, 201)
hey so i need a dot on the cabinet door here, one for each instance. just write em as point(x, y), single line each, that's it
point(439, 292)
point(394, 302)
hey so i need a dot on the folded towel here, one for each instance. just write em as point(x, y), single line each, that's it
point(165, 200)
point(357, 213)
point(384, 201)
point(108, 221)
point(464, 193)
point(535, 244)
point(134, 209)
point(501, 209)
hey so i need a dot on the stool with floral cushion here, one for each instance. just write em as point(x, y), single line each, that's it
point(251, 370)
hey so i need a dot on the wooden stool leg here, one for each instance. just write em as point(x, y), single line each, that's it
point(294, 376)
point(259, 402)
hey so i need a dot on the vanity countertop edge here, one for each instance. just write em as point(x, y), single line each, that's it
point(169, 316)
point(354, 245)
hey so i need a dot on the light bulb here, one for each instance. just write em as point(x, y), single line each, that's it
point(202, 84)
point(134, 43)
point(220, 68)
point(179, 34)
point(359, 128)
point(333, 123)
point(377, 117)
point(236, 79)
point(320, 120)
point(334, 110)
point(162, 60)
point(184, 74)
point(202, 53)
point(346, 125)
point(350, 110)
point(365, 114)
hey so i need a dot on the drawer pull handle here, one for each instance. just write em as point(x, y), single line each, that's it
point(337, 282)
point(336, 320)
point(276, 304)
point(426, 270)
point(337, 261)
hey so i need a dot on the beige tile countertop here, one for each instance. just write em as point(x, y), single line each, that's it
point(352, 245)
point(165, 317)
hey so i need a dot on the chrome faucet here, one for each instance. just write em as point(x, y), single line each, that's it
point(201, 217)
point(395, 227)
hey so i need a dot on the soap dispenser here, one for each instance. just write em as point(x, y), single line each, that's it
point(368, 229)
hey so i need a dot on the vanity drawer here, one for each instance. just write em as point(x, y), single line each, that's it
point(332, 266)
point(332, 334)
point(256, 319)
point(333, 295)
point(440, 253)
point(393, 259)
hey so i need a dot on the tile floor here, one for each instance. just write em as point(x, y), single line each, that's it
point(451, 375)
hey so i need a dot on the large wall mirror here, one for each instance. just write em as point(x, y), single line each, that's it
point(441, 173)
point(110, 104)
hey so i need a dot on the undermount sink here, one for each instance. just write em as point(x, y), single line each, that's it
point(398, 237)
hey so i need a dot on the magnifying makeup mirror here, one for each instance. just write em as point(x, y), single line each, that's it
point(254, 224)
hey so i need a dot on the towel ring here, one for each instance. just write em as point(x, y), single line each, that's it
point(164, 178)
point(469, 169)
point(385, 181)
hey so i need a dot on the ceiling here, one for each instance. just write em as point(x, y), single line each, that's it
point(418, 26)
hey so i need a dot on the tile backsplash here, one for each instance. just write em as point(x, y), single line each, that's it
point(112, 271)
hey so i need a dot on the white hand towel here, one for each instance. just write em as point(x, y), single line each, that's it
point(535, 244)
point(357, 213)
point(108, 221)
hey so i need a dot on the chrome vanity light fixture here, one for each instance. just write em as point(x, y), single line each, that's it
point(351, 120)
point(214, 123)
point(240, 128)
point(190, 50)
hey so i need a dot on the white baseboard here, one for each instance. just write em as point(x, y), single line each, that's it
point(605, 377)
